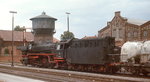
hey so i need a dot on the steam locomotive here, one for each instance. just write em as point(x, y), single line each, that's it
point(97, 55)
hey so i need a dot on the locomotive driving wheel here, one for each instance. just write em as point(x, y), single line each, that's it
point(44, 62)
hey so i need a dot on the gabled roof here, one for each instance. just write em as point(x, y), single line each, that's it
point(6, 35)
point(43, 15)
point(148, 22)
point(135, 21)
point(129, 20)
point(103, 29)
point(55, 40)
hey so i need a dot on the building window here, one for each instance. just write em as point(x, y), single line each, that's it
point(114, 29)
point(145, 33)
point(120, 33)
point(135, 34)
point(129, 34)
point(107, 34)
point(117, 24)
point(114, 33)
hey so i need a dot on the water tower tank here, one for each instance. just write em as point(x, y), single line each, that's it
point(43, 28)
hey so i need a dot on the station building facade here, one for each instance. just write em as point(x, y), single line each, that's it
point(126, 29)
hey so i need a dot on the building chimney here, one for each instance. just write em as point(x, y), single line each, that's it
point(117, 13)
point(108, 23)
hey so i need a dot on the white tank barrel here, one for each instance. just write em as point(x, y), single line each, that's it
point(132, 49)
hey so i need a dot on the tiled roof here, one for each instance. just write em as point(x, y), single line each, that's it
point(148, 22)
point(103, 29)
point(89, 37)
point(55, 40)
point(6, 35)
point(135, 21)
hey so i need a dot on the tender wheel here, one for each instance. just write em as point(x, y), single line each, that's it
point(135, 71)
point(144, 73)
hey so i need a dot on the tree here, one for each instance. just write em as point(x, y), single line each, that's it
point(6, 52)
point(18, 28)
point(67, 35)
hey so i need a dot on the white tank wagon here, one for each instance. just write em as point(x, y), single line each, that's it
point(145, 52)
point(129, 50)
point(137, 56)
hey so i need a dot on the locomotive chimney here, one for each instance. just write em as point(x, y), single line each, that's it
point(43, 28)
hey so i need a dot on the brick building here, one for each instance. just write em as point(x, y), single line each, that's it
point(6, 44)
point(126, 29)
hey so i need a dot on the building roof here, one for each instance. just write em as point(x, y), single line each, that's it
point(129, 20)
point(43, 15)
point(55, 40)
point(135, 21)
point(6, 35)
point(89, 37)
point(103, 29)
point(147, 23)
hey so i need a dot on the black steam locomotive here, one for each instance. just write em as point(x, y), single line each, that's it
point(96, 55)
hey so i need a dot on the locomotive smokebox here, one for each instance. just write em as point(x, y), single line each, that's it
point(43, 28)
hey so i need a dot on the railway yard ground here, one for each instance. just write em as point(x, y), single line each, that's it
point(54, 75)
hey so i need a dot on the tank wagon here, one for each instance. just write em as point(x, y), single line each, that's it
point(135, 57)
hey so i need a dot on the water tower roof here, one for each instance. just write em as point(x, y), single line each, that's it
point(43, 15)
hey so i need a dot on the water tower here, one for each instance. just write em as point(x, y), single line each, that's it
point(43, 28)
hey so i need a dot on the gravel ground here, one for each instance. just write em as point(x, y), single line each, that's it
point(73, 76)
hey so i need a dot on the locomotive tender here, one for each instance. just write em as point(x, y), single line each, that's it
point(99, 54)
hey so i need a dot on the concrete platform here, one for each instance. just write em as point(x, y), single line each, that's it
point(13, 78)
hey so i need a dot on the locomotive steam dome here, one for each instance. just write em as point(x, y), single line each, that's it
point(43, 28)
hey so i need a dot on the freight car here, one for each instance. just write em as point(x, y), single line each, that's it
point(97, 55)
point(135, 57)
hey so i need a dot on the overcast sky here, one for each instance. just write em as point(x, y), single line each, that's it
point(86, 18)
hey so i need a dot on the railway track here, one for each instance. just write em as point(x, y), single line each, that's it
point(65, 76)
